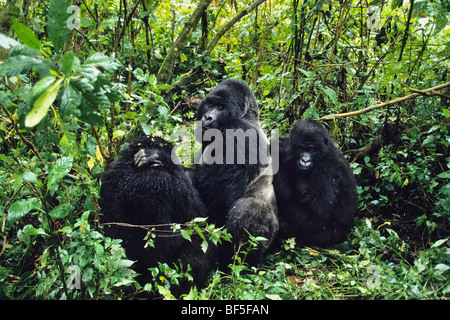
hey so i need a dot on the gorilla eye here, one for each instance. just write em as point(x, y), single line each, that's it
point(308, 148)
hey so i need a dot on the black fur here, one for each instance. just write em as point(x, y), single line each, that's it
point(315, 187)
point(158, 191)
point(238, 195)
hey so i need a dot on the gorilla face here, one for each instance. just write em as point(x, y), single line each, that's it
point(306, 155)
point(213, 115)
point(310, 144)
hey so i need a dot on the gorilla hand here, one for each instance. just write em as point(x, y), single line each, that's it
point(144, 157)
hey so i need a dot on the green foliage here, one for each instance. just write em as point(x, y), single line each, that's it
point(72, 96)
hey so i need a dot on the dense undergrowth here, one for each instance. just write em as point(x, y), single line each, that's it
point(72, 97)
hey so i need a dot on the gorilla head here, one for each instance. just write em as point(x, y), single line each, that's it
point(146, 186)
point(231, 99)
point(310, 144)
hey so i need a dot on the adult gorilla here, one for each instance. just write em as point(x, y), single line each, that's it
point(235, 177)
point(315, 187)
point(145, 187)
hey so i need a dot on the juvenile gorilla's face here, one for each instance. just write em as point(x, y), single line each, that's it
point(309, 147)
point(306, 156)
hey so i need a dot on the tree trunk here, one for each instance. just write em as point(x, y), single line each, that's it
point(193, 75)
point(166, 71)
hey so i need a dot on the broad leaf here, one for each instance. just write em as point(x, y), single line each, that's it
point(57, 19)
point(21, 208)
point(32, 231)
point(98, 59)
point(69, 63)
point(25, 35)
point(7, 42)
point(58, 171)
point(30, 177)
point(17, 65)
point(42, 104)
point(61, 211)
point(70, 100)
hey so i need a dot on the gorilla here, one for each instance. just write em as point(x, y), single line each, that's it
point(234, 174)
point(145, 187)
point(315, 187)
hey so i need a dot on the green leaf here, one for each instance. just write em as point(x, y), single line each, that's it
point(58, 171)
point(42, 104)
point(259, 239)
point(331, 94)
point(311, 113)
point(69, 63)
point(32, 231)
point(25, 35)
point(187, 234)
point(70, 100)
point(441, 268)
point(98, 59)
point(57, 19)
point(7, 42)
point(30, 177)
point(40, 87)
point(121, 263)
point(61, 211)
point(21, 208)
point(87, 274)
point(17, 65)
point(441, 21)
point(204, 246)
point(396, 3)
point(439, 243)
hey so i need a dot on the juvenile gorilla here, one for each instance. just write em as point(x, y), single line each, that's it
point(145, 187)
point(235, 179)
point(315, 187)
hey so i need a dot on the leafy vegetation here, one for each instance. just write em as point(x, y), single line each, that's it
point(77, 83)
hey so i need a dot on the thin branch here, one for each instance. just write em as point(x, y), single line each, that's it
point(24, 139)
point(122, 33)
point(231, 23)
point(166, 70)
point(99, 142)
point(426, 92)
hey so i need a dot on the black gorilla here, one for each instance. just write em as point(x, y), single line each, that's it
point(315, 187)
point(145, 187)
point(235, 177)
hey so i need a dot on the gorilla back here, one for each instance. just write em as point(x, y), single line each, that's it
point(315, 187)
point(145, 187)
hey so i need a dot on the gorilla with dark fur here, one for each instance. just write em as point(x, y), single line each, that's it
point(235, 176)
point(315, 187)
point(145, 187)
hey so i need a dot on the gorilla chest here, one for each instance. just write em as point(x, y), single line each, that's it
point(302, 186)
